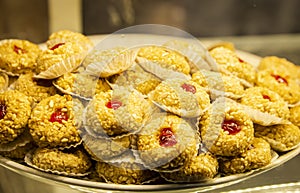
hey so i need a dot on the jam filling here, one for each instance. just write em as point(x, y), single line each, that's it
point(241, 61)
point(280, 79)
point(266, 97)
point(56, 46)
point(2, 110)
point(167, 137)
point(114, 104)
point(19, 50)
point(59, 116)
point(188, 88)
point(232, 127)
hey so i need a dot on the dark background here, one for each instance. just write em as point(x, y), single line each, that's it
point(28, 19)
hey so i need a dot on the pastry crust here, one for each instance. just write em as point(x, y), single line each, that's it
point(229, 61)
point(181, 97)
point(72, 162)
point(35, 89)
point(280, 82)
point(267, 101)
point(167, 143)
point(117, 112)
point(15, 112)
point(257, 156)
point(215, 135)
point(166, 58)
point(18, 56)
point(49, 131)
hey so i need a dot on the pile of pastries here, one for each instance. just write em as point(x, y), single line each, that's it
point(170, 113)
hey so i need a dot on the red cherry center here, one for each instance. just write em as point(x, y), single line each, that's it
point(114, 104)
point(59, 116)
point(167, 137)
point(189, 88)
point(240, 60)
point(280, 79)
point(266, 97)
point(231, 127)
point(56, 46)
point(2, 110)
point(19, 50)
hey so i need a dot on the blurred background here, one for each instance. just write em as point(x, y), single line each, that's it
point(263, 27)
point(35, 19)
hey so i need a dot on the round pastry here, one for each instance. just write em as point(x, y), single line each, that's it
point(279, 64)
point(181, 97)
point(267, 101)
point(281, 137)
point(65, 56)
point(65, 161)
point(165, 58)
point(229, 61)
point(117, 112)
point(295, 115)
point(35, 89)
point(167, 143)
point(201, 167)
point(257, 156)
point(124, 173)
point(142, 81)
point(217, 81)
point(18, 56)
point(226, 130)
point(54, 121)
point(15, 109)
point(71, 36)
point(81, 84)
point(280, 82)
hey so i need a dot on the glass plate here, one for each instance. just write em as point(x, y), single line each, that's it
point(88, 186)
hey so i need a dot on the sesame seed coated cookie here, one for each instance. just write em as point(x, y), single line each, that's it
point(257, 156)
point(225, 129)
point(181, 97)
point(54, 160)
point(117, 112)
point(124, 173)
point(15, 109)
point(279, 64)
point(35, 89)
point(281, 137)
point(55, 120)
point(201, 167)
point(280, 82)
point(167, 143)
point(265, 100)
point(18, 56)
point(228, 60)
